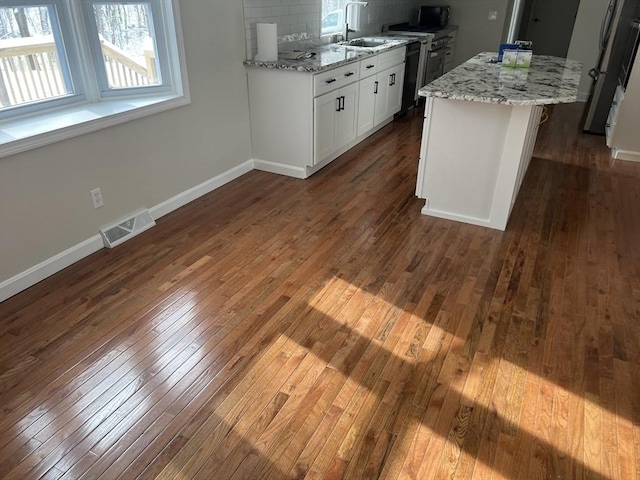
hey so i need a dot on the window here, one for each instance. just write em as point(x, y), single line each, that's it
point(333, 20)
point(332, 16)
point(34, 63)
point(125, 41)
point(125, 54)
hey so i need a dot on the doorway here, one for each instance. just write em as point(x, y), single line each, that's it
point(549, 25)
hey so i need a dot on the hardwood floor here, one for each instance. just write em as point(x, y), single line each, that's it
point(324, 329)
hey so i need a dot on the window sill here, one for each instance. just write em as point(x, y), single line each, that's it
point(22, 134)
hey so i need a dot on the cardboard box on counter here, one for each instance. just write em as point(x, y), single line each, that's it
point(517, 58)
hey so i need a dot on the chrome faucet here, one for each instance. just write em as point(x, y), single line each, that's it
point(346, 17)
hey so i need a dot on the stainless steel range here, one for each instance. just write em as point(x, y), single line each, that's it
point(436, 51)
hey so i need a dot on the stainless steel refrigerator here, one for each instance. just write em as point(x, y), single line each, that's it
point(614, 36)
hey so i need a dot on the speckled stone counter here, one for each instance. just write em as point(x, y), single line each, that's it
point(324, 57)
point(549, 80)
point(480, 127)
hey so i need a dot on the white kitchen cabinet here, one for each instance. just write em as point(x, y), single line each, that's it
point(389, 99)
point(381, 95)
point(394, 100)
point(296, 127)
point(335, 117)
point(623, 124)
point(367, 104)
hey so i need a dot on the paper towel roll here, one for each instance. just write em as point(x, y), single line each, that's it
point(267, 42)
point(354, 18)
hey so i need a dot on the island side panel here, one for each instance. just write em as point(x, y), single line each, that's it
point(461, 154)
point(281, 110)
point(518, 148)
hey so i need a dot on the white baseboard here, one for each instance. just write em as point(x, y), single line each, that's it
point(198, 191)
point(280, 168)
point(39, 272)
point(460, 218)
point(625, 155)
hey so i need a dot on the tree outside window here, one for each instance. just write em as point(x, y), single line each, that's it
point(40, 66)
point(32, 61)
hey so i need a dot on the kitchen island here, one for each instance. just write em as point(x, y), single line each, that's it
point(480, 126)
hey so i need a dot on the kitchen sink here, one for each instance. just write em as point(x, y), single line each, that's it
point(371, 43)
point(366, 42)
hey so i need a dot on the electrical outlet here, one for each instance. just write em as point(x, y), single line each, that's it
point(493, 15)
point(96, 196)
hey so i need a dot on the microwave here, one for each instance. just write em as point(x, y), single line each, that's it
point(433, 16)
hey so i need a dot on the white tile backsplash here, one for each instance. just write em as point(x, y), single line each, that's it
point(303, 16)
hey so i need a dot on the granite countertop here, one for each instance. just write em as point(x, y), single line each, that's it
point(548, 80)
point(325, 57)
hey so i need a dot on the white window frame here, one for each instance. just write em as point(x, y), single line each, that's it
point(68, 55)
point(160, 41)
point(92, 106)
point(325, 11)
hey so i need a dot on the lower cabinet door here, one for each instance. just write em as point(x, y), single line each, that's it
point(394, 98)
point(384, 84)
point(325, 110)
point(336, 121)
point(366, 104)
point(348, 115)
point(389, 98)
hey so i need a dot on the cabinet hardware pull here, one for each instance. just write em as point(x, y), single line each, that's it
point(343, 98)
point(338, 107)
point(331, 80)
point(375, 90)
point(348, 74)
point(370, 66)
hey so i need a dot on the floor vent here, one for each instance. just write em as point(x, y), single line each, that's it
point(127, 228)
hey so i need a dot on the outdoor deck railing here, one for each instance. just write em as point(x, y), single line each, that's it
point(30, 69)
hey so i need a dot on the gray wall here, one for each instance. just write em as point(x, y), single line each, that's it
point(476, 33)
point(584, 45)
point(45, 205)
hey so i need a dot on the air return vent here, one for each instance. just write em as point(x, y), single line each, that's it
point(128, 227)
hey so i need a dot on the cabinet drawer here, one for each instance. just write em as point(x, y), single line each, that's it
point(369, 66)
point(335, 78)
point(391, 58)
